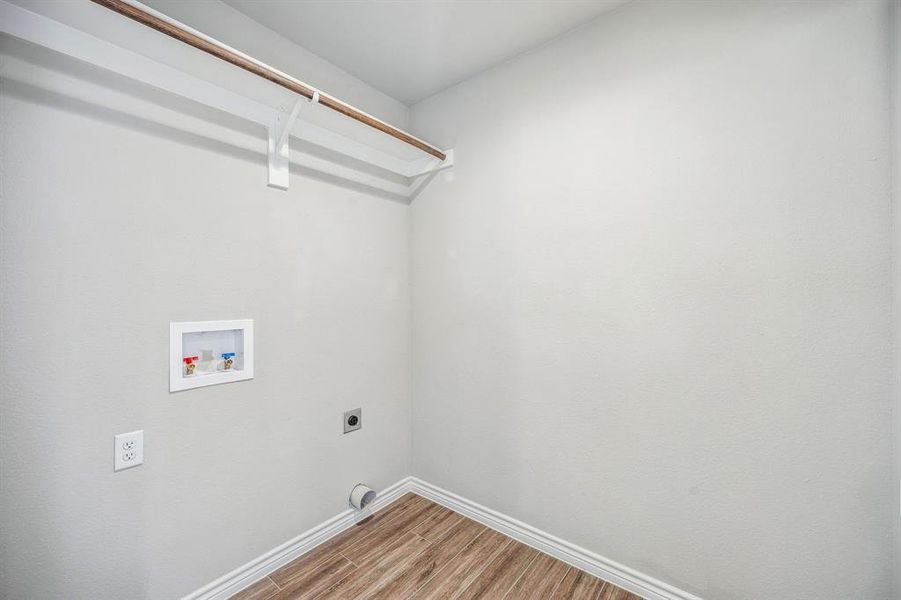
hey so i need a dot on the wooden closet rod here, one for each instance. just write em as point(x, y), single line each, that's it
point(261, 70)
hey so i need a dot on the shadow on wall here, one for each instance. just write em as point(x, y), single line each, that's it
point(97, 94)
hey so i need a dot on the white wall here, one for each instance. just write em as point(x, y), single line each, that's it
point(113, 222)
point(652, 311)
point(232, 27)
point(651, 300)
point(896, 280)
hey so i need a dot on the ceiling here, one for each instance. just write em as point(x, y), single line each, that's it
point(415, 48)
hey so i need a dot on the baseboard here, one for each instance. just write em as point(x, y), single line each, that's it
point(247, 574)
point(629, 579)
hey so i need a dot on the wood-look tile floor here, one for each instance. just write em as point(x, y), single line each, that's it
point(417, 549)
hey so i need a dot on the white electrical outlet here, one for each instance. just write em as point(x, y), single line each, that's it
point(128, 450)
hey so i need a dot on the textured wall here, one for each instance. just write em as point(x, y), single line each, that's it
point(652, 311)
point(651, 306)
point(114, 221)
point(896, 238)
point(230, 26)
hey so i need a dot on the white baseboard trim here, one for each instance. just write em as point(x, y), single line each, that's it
point(629, 579)
point(251, 572)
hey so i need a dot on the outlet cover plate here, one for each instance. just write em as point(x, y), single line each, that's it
point(353, 420)
point(128, 450)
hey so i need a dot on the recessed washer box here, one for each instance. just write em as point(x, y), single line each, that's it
point(209, 352)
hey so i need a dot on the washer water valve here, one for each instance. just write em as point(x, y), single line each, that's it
point(190, 364)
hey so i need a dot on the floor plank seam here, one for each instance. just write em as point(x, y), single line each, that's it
point(448, 563)
point(418, 523)
point(559, 581)
point(521, 575)
point(328, 588)
point(459, 521)
point(417, 538)
point(450, 560)
point(287, 582)
point(485, 564)
point(405, 563)
point(375, 529)
point(344, 556)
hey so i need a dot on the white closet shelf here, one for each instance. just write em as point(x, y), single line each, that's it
point(282, 114)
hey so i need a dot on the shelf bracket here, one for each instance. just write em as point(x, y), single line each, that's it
point(272, 121)
point(430, 165)
point(279, 150)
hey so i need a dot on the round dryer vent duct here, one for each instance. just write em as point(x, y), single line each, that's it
point(361, 495)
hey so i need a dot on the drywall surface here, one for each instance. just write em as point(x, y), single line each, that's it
point(652, 309)
point(896, 239)
point(123, 209)
point(232, 27)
